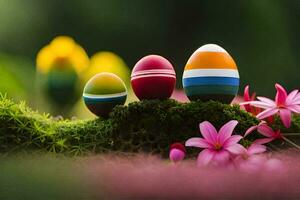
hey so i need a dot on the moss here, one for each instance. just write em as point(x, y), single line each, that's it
point(146, 126)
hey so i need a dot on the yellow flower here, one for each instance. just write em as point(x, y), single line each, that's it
point(44, 59)
point(107, 62)
point(63, 46)
point(62, 53)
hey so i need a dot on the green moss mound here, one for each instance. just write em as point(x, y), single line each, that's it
point(146, 126)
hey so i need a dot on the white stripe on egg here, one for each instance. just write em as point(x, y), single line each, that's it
point(211, 73)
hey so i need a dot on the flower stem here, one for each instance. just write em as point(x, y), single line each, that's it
point(290, 142)
point(291, 134)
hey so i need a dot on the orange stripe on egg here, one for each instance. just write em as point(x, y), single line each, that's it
point(210, 60)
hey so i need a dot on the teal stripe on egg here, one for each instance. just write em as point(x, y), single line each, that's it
point(103, 92)
point(211, 89)
point(222, 93)
point(98, 100)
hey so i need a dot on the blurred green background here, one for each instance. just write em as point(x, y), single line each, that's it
point(261, 35)
point(42, 177)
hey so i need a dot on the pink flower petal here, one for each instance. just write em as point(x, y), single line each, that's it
point(247, 98)
point(256, 148)
point(263, 141)
point(221, 158)
point(285, 116)
point(260, 104)
point(291, 96)
point(253, 128)
point(294, 108)
point(267, 101)
point(198, 142)
point(245, 103)
point(296, 101)
point(209, 132)
point(246, 93)
point(236, 149)
point(296, 98)
point(281, 95)
point(265, 130)
point(267, 113)
point(250, 130)
point(205, 157)
point(226, 131)
point(232, 140)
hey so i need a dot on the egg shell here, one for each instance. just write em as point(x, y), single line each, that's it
point(211, 74)
point(153, 77)
point(103, 92)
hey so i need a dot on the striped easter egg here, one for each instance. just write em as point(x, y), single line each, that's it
point(103, 92)
point(211, 74)
point(153, 77)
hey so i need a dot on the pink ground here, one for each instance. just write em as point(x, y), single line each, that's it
point(140, 177)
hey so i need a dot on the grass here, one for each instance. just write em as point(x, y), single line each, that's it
point(147, 126)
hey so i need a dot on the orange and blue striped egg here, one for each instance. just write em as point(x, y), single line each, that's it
point(103, 92)
point(211, 74)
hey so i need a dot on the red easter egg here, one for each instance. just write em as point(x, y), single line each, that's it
point(153, 77)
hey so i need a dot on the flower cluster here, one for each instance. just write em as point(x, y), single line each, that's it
point(284, 105)
point(223, 148)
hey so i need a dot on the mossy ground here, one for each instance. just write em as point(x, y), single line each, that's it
point(145, 126)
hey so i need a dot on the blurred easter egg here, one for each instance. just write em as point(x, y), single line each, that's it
point(59, 65)
point(60, 85)
point(211, 74)
point(108, 62)
point(62, 52)
point(103, 92)
point(153, 77)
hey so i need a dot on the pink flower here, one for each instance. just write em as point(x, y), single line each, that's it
point(253, 160)
point(218, 146)
point(283, 105)
point(252, 150)
point(177, 152)
point(246, 159)
point(265, 130)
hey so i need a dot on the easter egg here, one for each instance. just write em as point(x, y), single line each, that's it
point(153, 77)
point(103, 92)
point(60, 86)
point(211, 74)
point(108, 62)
